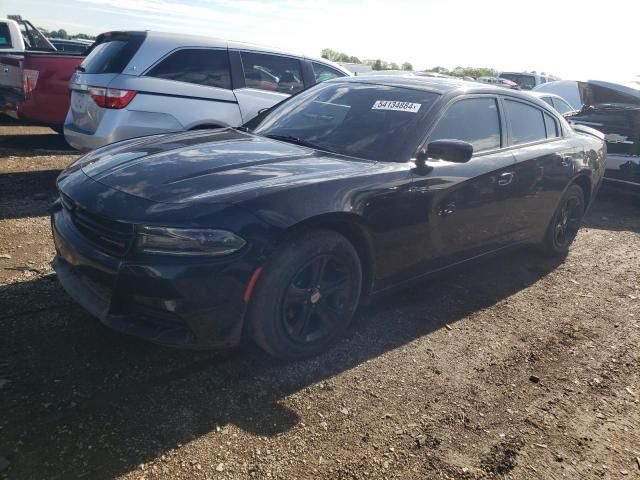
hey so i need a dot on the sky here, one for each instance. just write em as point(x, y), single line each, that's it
point(572, 39)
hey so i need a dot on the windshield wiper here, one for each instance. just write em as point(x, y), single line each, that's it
point(298, 141)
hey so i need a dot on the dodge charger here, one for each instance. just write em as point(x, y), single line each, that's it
point(279, 229)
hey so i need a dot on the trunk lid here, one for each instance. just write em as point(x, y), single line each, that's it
point(106, 59)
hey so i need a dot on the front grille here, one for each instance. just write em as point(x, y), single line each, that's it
point(110, 236)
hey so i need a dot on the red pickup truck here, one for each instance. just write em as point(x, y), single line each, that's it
point(34, 84)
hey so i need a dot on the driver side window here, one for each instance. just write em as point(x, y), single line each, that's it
point(473, 120)
point(272, 72)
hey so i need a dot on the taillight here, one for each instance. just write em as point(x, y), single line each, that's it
point(111, 97)
point(29, 80)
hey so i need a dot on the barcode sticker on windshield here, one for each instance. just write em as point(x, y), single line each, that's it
point(397, 106)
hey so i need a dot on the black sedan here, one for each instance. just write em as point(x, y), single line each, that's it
point(281, 228)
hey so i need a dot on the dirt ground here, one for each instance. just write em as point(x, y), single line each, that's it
point(518, 367)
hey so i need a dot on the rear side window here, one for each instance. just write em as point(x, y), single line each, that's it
point(527, 123)
point(201, 66)
point(562, 106)
point(551, 125)
point(5, 36)
point(548, 100)
point(473, 120)
point(323, 72)
point(272, 72)
point(112, 53)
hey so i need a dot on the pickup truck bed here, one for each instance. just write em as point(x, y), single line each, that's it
point(34, 86)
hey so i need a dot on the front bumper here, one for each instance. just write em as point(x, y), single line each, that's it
point(197, 304)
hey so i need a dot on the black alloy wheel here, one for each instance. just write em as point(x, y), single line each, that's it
point(306, 295)
point(565, 222)
point(316, 299)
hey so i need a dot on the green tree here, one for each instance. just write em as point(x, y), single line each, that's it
point(474, 72)
point(84, 36)
point(336, 56)
point(62, 33)
point(329, 54)
point(407, 66)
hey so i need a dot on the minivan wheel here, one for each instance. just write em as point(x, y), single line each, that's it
point(565, 222)
point(306, 295)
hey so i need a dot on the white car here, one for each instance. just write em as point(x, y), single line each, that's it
point(556, 101)
point(133, 84)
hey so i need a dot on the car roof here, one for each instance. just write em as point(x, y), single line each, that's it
point(183, 40)
point(432, 84)
point(451, 87)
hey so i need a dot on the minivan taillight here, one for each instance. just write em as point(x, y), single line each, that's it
point(29, 80)
point(111, 97)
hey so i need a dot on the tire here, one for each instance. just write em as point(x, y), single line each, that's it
point(565, 222)
point(306, 295)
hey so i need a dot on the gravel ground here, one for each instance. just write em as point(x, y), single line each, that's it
point(518, 367)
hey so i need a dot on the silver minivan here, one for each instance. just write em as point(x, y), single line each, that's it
point(142, 83)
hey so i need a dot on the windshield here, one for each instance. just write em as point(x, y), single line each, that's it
point(525, 82)
point(375, 122)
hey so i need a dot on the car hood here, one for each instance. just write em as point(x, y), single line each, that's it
point(212, 166)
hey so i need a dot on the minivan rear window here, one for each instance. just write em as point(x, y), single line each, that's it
point(112, 52)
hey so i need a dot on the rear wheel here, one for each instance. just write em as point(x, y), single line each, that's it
point(306, 295)
point(565, 222)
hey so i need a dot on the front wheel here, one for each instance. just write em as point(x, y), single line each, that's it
point(306, 296)
point(565, 222)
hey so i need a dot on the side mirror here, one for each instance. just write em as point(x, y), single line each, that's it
point(450, 150)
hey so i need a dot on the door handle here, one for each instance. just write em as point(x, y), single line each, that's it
point(505, 179)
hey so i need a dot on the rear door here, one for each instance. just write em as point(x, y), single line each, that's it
point(267, 79)
point(190, 84)
point(106, 60)
point(543, 166)
point(471, 198)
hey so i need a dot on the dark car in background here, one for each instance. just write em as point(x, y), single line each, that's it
point(500, 82)
point(527, 80)
point(613, 109)
point(348, 189)
point(77, 45)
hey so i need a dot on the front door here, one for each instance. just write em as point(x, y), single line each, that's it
point(268, 79)
point(470, 200)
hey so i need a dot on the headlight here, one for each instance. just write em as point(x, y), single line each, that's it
point(188, 241)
